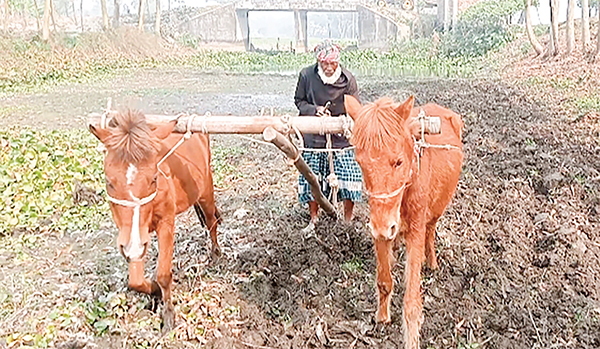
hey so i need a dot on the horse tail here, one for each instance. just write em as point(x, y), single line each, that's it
point(200, 214)
point(457, 124)
point(217, 214)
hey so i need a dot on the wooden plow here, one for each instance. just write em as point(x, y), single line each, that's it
point(274, 129)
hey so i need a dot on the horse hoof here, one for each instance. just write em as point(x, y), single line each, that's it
point(383, 318)
point(168, 317)
point(215, 253)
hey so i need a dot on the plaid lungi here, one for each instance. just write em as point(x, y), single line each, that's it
point(345, 167)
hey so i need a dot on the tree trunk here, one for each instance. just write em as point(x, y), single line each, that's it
point(157, 22)
point(105, 25)
point(539, 49)
point(598, 44)
point(81, 15)
point(554, 48)
point(52, 10)
point(6, 8)
point(117, 19)
point(74, 12)
point(454, 12)
point(585, 26)
point(37, 15)
point(141, 15)
point(571, 27)
point(46, 22)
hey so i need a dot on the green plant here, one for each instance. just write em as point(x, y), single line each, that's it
point(222, 165)
point(38, 170)
point(482, 28)
point(587, 104)
point(355, 265)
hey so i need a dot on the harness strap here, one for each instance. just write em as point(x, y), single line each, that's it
point(186, 136)
point(133, 203)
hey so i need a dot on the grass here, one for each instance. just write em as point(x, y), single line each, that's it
point(30, 65)
point(587, 104)
point(39, 169)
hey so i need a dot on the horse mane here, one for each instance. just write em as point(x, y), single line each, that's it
point(377, 125)
point(131, 138)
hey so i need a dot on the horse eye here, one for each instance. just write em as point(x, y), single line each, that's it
point(155, 178)
point(108, 183)
point(397, 163)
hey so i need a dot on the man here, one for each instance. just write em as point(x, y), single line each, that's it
point(325, 84)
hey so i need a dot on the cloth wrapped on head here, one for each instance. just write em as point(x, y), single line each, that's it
point(328, 52)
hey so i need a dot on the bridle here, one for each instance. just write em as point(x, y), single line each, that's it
point(393, 194)
point(418, 147)
point(138, 203)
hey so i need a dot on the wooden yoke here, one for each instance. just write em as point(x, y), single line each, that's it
point(271, 135)
point(227, 124)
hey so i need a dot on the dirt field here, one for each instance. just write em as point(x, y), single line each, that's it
point(519, 247)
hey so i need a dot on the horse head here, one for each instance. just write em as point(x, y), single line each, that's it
point(384, 142)
point(132, 176)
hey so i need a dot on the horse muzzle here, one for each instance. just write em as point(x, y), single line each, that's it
point(132, 254)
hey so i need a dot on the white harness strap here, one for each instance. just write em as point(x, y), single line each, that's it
point(134, 249)
point(384, 196)
point(136, 204)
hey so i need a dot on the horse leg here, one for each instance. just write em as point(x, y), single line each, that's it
point(138, 282)
point(385, 284)
point(430, 245)
point(413, 305)
point(212, 218)
point(164, 275)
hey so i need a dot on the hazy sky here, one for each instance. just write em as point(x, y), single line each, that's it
point(542, 15)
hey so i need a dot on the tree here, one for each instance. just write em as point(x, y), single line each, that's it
point(157, 22)
point(585, 26)
point(5, 6)
point(46, 21)
point(539, 49)
point(570, 27)
point(105, 25)
point(141, 15)
point(81, 15)
point(37, 15)
point(553, 48)
point(598, 44)
point(117, 19)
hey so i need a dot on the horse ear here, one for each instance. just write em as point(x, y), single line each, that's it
point(405, 108)
point(164, 131)
point(100, 133)
point(352, 106)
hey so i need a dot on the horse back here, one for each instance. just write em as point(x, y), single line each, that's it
point(441, 167)
point(452, 124)
point(190, 164)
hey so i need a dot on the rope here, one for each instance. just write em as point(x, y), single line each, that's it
point(186, 135)
point(203, 128)
point(103, 117)
point(133, 203)
point(286, 120)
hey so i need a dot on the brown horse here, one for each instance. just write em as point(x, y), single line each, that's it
point(148, 184)
point(409, 190)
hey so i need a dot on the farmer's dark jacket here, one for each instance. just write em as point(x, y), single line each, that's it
point(312, 92)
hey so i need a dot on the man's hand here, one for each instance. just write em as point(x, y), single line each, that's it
point(321, 110)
